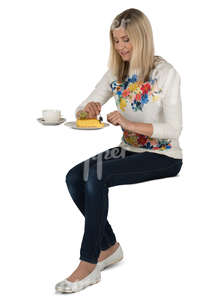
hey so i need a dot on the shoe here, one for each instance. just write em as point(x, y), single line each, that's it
point(67, 286)
point(111, 259)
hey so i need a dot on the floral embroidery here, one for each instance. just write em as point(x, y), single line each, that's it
point(143, 141)
point(135, 92)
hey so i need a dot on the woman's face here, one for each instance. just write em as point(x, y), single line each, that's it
point(122, 44)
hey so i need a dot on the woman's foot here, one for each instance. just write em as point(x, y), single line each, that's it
point(84, 269)
point(105, 253)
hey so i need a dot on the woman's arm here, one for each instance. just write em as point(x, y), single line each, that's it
point(172, 109)
point(141, 128)
point(101, 93)
point(172, 112)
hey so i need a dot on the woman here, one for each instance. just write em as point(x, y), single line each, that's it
point(146, 89)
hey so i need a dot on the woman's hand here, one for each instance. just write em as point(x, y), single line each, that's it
point(117, 119)
point(93, 109)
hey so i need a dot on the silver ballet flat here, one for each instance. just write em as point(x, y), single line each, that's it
point(112, 259)
point(66, 286)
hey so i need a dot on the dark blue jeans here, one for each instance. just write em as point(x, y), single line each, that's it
point(88, 184)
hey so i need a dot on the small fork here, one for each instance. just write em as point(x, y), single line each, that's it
point(100, 118)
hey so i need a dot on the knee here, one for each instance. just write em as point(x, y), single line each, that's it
point(71, 177)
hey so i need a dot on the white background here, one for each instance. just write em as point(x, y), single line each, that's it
point(52, 54)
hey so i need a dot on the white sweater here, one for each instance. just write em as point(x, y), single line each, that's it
point(156, 101)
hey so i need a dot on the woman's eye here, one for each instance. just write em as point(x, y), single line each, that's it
point(124, 41)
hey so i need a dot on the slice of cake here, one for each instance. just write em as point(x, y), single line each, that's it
point(84, 122)
point(89, 123)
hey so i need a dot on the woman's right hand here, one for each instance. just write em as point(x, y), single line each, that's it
point(93, 109)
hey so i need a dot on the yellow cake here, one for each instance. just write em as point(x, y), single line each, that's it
point(89, 123)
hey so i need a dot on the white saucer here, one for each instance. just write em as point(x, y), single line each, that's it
point(73, 125)
point(42, 121)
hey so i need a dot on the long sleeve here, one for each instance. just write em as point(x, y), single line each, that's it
point(172, 109)
point(101, 93)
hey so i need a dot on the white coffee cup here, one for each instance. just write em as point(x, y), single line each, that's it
point(51, 115)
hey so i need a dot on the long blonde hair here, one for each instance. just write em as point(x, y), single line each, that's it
point(140, 35)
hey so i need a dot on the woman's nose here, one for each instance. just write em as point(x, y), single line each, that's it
point(121, 46)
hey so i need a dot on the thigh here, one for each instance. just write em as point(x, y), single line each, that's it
point(135, 168)
point(113, 153)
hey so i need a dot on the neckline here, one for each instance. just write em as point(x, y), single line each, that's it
point(134, 78)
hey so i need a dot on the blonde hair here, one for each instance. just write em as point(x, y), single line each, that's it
point(140, 34)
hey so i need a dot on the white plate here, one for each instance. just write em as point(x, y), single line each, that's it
point(42, 121)
point(73, 125)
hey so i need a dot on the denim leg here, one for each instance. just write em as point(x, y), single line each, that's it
point(131, 169)
point(96, 210)
point(76, 188)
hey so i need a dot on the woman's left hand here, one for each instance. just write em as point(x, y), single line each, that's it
point(117, 119)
